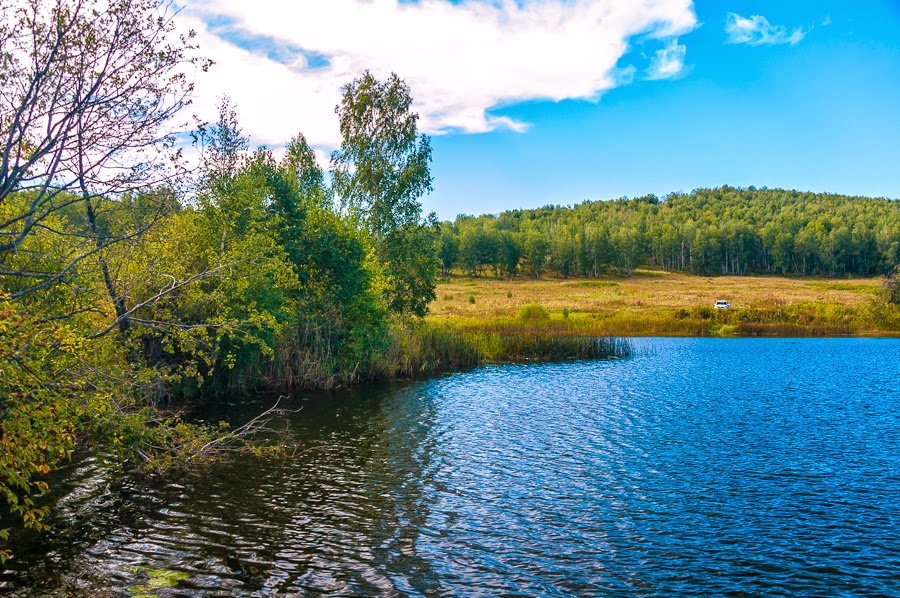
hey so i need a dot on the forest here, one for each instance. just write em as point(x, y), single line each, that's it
point(707, 232)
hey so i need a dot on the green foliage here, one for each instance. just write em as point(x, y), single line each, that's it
point(448, 251)
point(380, 172)
point(532, 312)
point(40, 413)
point(710, 231)
point(291, 292)
point(381, 169)
point(60, 391)
point(411, 267)
point(536, 248)
point(117, 294)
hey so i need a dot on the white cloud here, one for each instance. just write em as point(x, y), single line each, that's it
point(757, 31)
point(460, 59)
point(668, 63)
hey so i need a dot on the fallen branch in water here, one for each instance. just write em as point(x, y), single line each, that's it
point(181, 445)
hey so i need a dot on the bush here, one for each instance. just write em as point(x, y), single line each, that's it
point(704, 312)
point(533, 312)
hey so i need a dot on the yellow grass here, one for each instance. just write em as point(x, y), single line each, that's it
point(663, 303)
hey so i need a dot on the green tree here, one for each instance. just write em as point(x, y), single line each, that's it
point(509, 253)
point(469, 253)
point(536, 249)
point(305, 173)
point(379, 174)
point(891, 287)
point(222, 146)
point(87, 91)
point(711, 231)
point(449, 248)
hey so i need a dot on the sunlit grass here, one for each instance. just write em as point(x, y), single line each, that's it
point(667, 304)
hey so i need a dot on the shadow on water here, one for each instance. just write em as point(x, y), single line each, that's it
point(343, 509)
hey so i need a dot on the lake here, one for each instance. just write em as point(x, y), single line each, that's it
point(711, 467)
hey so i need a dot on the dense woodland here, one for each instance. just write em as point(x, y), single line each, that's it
point(708, 232)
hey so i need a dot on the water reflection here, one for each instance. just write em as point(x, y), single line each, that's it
point(700, 467)
point(339, 514)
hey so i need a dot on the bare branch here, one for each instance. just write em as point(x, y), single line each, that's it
point(172, 288)
point(88, 89)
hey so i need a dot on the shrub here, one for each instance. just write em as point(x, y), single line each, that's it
point(704, 312)
point(532, 312)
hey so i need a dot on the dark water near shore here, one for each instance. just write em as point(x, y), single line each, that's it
point(702, 467)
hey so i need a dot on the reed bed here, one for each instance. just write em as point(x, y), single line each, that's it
point(428, 348)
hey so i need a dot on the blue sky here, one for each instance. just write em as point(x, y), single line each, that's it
point(822, 115)
point(795, 94)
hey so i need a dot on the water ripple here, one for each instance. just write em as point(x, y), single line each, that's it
point(700, 467)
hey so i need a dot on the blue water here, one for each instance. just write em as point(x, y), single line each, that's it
point(698, 467)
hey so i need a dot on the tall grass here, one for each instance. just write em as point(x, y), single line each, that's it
point(310, 357)
point(421, 349)
point(428, 347)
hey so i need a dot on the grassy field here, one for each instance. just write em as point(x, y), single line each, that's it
point(663, 303)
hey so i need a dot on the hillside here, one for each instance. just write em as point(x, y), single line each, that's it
point(709, 232)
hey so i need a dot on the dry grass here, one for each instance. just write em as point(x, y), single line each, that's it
point(664, 303)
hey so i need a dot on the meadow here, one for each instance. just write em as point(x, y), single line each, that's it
point(656, 302)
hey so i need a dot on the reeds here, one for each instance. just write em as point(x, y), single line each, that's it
point(420, 349)
point(427, 348)
point(549, 320)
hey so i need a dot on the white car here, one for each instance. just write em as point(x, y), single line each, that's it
point(722, 305)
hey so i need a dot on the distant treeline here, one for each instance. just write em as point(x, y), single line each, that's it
point(710, 231)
